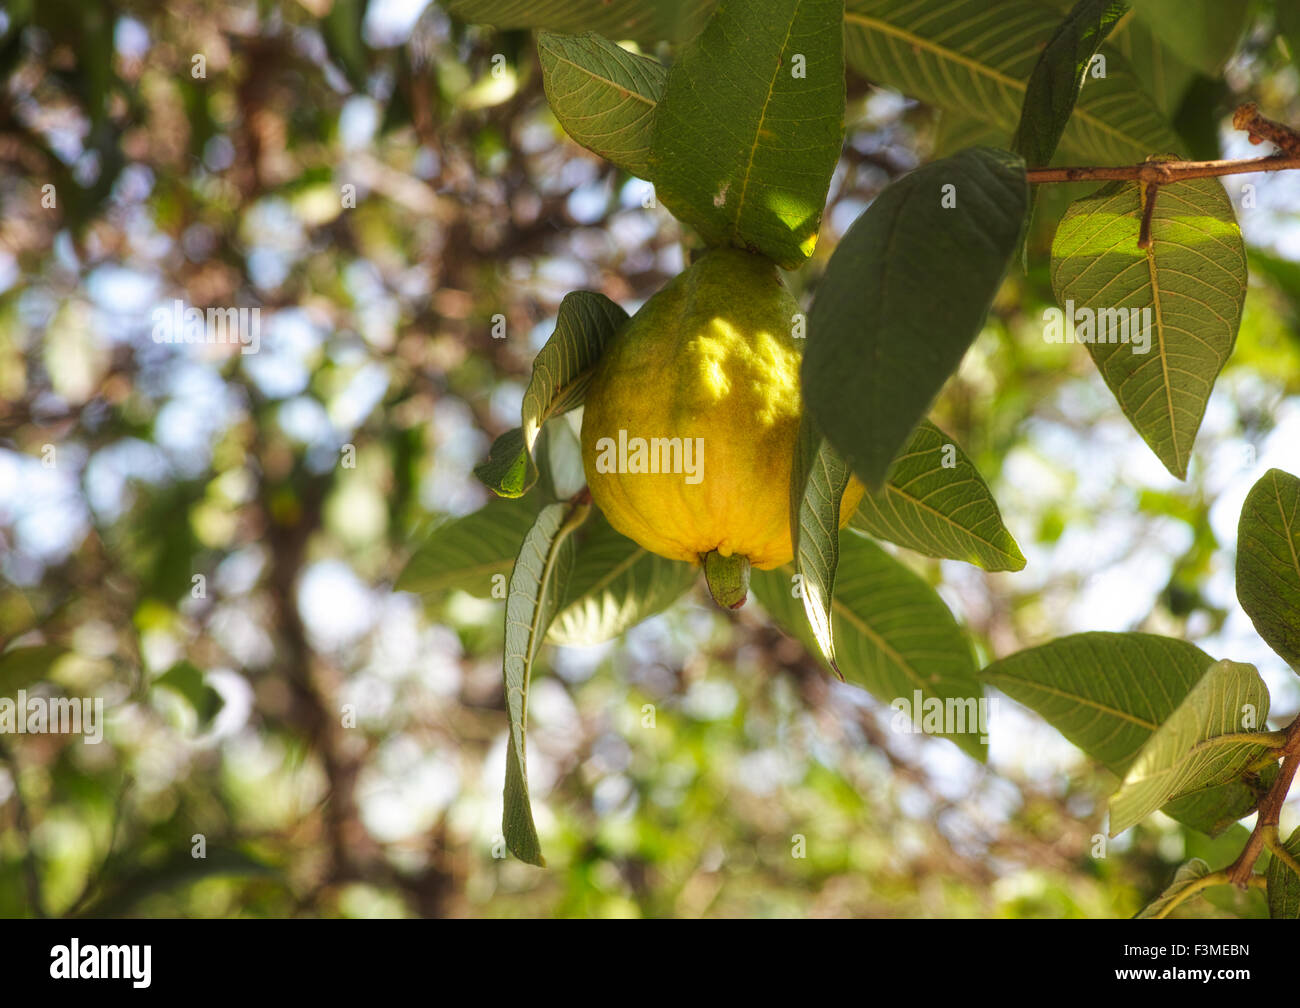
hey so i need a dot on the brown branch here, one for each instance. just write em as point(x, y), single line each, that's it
point(1270, 809)
point(1248, 119)
point(1164, 172)
point(1148, 213)
point(1156, 173)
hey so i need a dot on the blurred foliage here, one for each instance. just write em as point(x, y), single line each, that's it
point(208, 539)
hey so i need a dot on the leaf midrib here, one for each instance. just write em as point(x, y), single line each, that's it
point(758, 125)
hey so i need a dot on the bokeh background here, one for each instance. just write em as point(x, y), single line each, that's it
point(228, 709)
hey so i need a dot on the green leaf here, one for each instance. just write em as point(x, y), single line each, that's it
point(1203, 32)
point(1202, 744)
point(1057, 76)
point(1192, 283)
point(751, 124)
point(881, 344)
point(1165, 76)
point(956, 131)
point(559, 457)
point(584, 325)
point(1187, 880)
point(187, 681)
point(893, 635)
point(1268, 562)
point(936, 509)
point(644, 21)
point(467, 552)
point(1105, 692)
point(974, 57)
point(509, 470)
point(1284, 883)
point(614, 585)
point(818, 480)
point(1212, 810)
point(539, 579)
point(603, 96)
point(20, 667)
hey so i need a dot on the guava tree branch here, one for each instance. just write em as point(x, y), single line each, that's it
point(1246, 118)
point(1164, 172)
point(1270, 810)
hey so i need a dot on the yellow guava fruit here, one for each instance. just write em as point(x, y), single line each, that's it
point(691, 420)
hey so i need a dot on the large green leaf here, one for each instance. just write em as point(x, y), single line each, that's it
point(1202, 32)
point(1212, 737)
point(817, 484)
point(467, 552)
point(938, 509)
point(1284, 883)
point(1057, 76)
point(1268, 562)
point(751, 124)
point(603, 96)
point(1189, 284)
point(893, 636)
point(974, 57)
point(1105, 692)
point(562, 370)
point(539, 579)
point(614, 585)
point(881, 341)
point(644, 21)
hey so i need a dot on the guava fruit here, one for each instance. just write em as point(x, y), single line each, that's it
point(691, 420)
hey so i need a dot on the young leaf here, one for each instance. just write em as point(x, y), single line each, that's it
point(603, 96)
point(1209, 740)
point(881, 344)
point(893, 636)
point(1284, 882)
point(467, 552)
point(818, 480)
point(614, 585)
point(562, 370)
point(644, 21)
point(751, 124)
point(935, 502)
point(1105, 692)
point(509, 470)
point(1185, 292)
point(1054, 84)
point(1187, 880)
point(973, 57)
point(1268, 562)
point(538, 580)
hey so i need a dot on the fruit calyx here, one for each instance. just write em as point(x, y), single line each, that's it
point(728, 578)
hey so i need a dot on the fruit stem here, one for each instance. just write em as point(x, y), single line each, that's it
point(728, 578)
